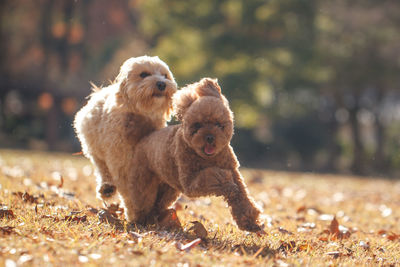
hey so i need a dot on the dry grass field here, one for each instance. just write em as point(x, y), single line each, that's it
point(49, 216)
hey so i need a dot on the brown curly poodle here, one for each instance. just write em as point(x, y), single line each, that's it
point(193, 158)
point(118, 116)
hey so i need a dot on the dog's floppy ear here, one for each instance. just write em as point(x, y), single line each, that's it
point(208, 87)
point(121, 95)
point(121, 81)
point(183, 99)
point(187, 95)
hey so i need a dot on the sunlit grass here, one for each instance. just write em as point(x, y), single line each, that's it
point(298, 211)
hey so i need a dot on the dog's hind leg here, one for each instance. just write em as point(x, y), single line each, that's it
point(166, 196)
point(138, 191)
point(105, 187)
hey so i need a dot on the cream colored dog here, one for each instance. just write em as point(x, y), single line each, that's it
point(118, 116)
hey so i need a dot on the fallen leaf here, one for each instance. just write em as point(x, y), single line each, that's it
point(323, 238)
point(338, 231)
point(77, 219)
point(382, 232)
point(61, 182)
point(304, 247)
point(334, 227)
point(261, 233)
point(26, 197)
point(198, 229)
point(107, 217)
point(7, 230)
point(392, 236)
point(287, 246)
point(6, 213)
point(92, 210)
point(77, 153)
point(284, 231)
point(301, 209)
point(115, 209)
point(335, 254)
point(187, 247)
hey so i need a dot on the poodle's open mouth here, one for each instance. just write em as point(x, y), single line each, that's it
point(209, 149)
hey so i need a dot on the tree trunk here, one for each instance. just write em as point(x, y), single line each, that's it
point(357, 165)
point(333, 147)
point(379, 156)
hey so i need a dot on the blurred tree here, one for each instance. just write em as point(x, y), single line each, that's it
point(358, 51)
point(313, 84)
point(255, 48)
point(52, 49)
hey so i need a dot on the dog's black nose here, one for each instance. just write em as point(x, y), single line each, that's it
point(210, 138)
point(161, 85)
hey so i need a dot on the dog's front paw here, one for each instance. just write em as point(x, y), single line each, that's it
point(248, 224)
point(107, 190)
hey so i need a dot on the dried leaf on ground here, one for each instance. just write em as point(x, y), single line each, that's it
point(26, 197)
point(304, 247)
point(334, 227)
point(287, 246)
point(284, 231)
point(337, 231)
point(6, 230)
point(74, 218)
point(92, 210)
point(198, 229)
point(107, 217)
point(61, 182)
point(335, 254)
point(115, 210)
point(392, 236)
point(188, 246)
point(6, 213)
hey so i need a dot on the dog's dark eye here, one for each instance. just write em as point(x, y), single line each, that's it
point(166, 76)
point(144, 74)
point(195, 127)
point(219, 125)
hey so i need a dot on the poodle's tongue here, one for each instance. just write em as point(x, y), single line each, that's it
point(209, 149)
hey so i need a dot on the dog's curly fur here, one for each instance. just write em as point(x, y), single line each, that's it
point(118, 116)
point(193, 158)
